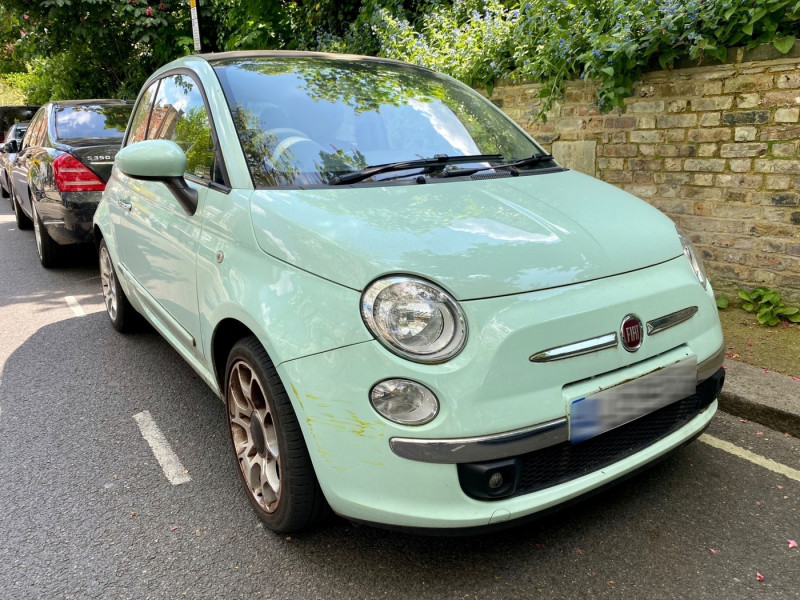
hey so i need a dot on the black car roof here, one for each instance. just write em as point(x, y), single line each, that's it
point(91, 102)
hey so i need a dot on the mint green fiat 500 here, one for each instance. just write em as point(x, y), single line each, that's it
point(415, 317)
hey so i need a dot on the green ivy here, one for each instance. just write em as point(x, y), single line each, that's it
point(611, 42)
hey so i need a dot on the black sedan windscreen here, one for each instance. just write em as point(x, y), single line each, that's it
point(74, 122)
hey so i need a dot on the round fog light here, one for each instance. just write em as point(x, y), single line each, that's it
point(404, 402)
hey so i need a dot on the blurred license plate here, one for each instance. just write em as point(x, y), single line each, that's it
point(604, 410)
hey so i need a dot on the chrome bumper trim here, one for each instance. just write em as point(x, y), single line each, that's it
point(482, 448)
point(609, 340)
point(663, 323)
point(710, 365)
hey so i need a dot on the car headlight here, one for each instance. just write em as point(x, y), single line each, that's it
point(414, 319)
point(694, 259)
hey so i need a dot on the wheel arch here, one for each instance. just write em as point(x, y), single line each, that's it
point(226, 334)
point(102, 229)
point(98, 236)
point(29, 189)
point(34, 191)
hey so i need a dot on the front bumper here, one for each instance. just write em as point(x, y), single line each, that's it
point(493, 391)
point(530, 439)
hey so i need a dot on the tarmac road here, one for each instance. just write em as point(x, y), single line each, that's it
point(87, 511)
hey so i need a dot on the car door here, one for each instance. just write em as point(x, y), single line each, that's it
point(159, 240)
point(26, 158)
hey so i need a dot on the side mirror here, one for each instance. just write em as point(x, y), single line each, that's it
point(159, 160)
point(11, 147)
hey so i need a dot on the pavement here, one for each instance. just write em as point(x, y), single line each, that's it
point(763, 396)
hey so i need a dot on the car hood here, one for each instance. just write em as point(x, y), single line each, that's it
point(478, 239)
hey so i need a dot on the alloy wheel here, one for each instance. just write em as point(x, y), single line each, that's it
point(255, 436)
point(108, 280)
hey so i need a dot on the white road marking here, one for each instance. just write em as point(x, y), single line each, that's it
point(754, 458)
point(76, 308)
point(169, 461)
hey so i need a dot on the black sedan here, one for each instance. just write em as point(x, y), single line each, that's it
point(61, 169)
point(14, 114)
point(7, 154)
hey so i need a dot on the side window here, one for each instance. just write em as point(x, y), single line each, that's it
point(32, 136)
point(26, 139)
point(140, 117)
point(41, 130)
point(179, 114)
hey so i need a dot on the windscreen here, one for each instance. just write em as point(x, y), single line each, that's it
point(92, 121)
point(17, 132)
point(306, 120)
point(14, 114)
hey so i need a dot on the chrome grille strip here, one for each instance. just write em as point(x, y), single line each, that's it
point(609, 340)
point(662, 323)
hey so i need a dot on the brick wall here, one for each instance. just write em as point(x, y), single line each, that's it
point(716, 148)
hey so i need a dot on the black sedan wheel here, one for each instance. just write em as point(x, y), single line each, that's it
point(48, 250)
point(23, 222)
point(268, 444)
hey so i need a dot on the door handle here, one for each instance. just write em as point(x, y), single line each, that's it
point(125, 205)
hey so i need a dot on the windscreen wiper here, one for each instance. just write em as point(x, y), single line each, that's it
point(512, 166)
point(438, 161)
point(525, 162)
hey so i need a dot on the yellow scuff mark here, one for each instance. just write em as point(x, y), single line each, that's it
point(362, 425)
point(297, 395)
point(334, 421)
point(324, 454)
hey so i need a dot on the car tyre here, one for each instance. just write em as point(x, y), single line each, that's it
point(268, 444)
point(123, 316)
point(45, 245)
point(23, 222)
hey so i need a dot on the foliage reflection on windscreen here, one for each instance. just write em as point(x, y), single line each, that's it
point(304, 120)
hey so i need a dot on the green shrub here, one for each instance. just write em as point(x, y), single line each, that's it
point(768, 306)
